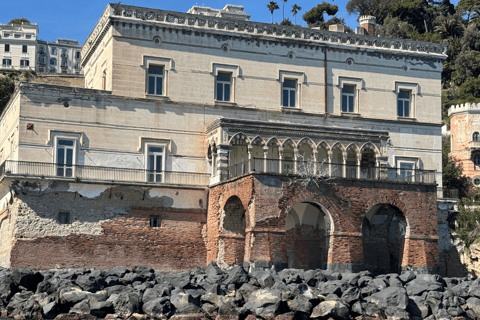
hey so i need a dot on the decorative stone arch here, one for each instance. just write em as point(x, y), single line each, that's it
point(289, 141)
point(273, 141)
point(338, 145)
point(370, 146)
point(325, 145)
point(240, 136)
point(308, 141)
point(258, 140)
point(352, 146)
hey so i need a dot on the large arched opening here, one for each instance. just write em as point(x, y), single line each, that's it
point(307, 226)
point(384, 229)
point(233, 231)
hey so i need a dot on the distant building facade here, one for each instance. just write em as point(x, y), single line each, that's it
point(465, 138)
point(18, 46)
point(62, 56)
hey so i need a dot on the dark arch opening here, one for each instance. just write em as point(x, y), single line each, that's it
point(307, 234)
point(384, 228)
point(234, 231)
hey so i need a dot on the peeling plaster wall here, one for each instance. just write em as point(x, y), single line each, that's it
point(109, 226)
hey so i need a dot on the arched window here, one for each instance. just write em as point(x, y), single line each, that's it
point(475, 136)
point(476, 159)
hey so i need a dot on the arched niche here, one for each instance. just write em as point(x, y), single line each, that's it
point(307, 226)
point(384, 229)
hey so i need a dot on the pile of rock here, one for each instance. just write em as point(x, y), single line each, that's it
point(212, 293)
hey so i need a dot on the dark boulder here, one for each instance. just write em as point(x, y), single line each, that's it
point(160, 307)
point(333, 309)
point(237, 276)
point(391, 296)
point(27, 277)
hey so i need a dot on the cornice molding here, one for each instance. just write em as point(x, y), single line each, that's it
point(264, 31)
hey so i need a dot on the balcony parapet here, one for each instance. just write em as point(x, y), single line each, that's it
point(326, 170)
point(474, 145)
point(78, 173)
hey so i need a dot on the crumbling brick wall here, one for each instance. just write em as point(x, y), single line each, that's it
point(110, 229)
point(346, 202)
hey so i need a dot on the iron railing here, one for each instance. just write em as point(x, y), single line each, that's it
point(450, 193)
point(81, 172)
point(335, 170)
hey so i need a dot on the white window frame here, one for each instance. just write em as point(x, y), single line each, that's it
point(234, 71)
point(223, 83)
point(41, 50)
point(74, 157)
point(358, 84)
point(168, 65)
point(300, 78)
point(24, 63)
point(164, 162)
point(354, 100)
point(5, 60)
point(5, 47)
point(53, 51)
point(414, 91)
point(55, 136)
point(50, 62)
point(407, 160)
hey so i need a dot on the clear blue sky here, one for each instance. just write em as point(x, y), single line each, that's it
point(76, 19)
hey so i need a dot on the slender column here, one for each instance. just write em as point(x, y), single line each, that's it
point(223, 151)
point(359, 161)
point(280, 161)
point(249, 152)
point(265, 154)
point(329, 159)
point(344, 164)
point(295, 157)
point(314, 159)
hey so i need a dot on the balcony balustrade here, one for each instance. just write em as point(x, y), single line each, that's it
point(105, 174)
point(331, 170)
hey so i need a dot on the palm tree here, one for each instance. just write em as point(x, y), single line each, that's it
point(272, 6)
point(295, 9)
point(284, 1)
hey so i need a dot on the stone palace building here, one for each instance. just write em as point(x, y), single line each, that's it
point(199, 137)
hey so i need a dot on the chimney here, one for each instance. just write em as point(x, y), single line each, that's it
point(336, 28)
point(368, 23)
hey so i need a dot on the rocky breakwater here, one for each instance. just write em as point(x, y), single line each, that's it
point(212, 293)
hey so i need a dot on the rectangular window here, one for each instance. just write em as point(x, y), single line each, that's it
point(7, 47)
point(155, 157)
point(65, 160)
point(348, 98)
point(407, 171)
point(64, 63)
point(41, 50)
point(54, 51)
point(63, 217)
point(52, 70)
point(17, 35)
point(224, 85)
point(289, 92)
point(24, 63)
point(41, 60)
point(64, 53)
point(28, 36)
point(403, 103)
point(155, 79)
point(77, 54)
point(155, 222)
point(53, 61)
point(6, 35)
point(24, 48)
point(41, 70)
point(7, 62)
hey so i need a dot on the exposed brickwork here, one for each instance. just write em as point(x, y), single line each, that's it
point(346, 202)
point(128, 241)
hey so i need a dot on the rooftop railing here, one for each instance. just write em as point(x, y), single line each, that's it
point(96, 173)
point(331, 170)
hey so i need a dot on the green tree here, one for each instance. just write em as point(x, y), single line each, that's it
point(315, 15)
point(7, 87)
point(449, 26)
point(272, 6)
point(377, 8)
point(286, 22)
point(295, 9)
point(19, 21)
point(471, 8)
